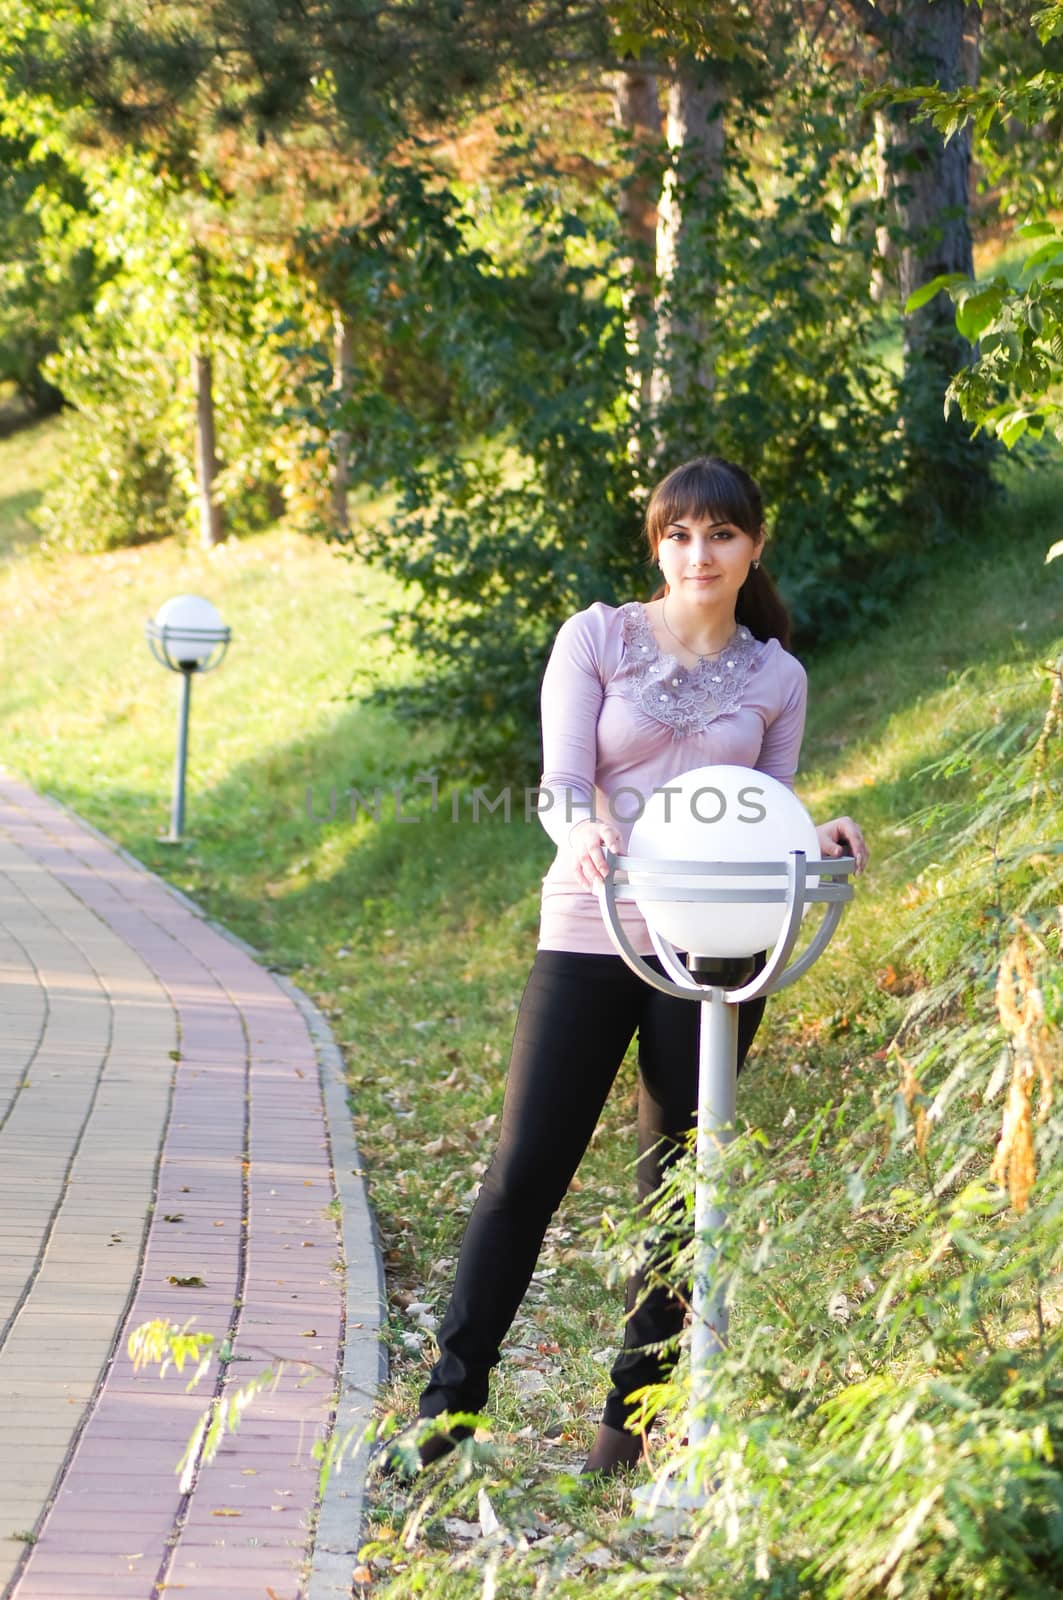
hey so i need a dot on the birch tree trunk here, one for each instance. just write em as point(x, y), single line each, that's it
point(636, 112)
point(884, 271)
point(342, 378)
point(682, 371)
point(211, 528)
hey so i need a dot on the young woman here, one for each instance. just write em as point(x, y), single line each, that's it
point(633, 696)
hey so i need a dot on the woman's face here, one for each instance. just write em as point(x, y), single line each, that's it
point(705, 561)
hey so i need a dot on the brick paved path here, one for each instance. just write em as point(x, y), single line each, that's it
point(162, 1118)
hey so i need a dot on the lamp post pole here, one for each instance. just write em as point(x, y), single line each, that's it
point(177, 808)
point(719, 985)
point(717, 1085)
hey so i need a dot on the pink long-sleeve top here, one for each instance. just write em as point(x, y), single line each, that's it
point(620, 718)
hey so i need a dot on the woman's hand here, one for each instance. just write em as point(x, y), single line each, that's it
point(842, 837)
point(588, 841)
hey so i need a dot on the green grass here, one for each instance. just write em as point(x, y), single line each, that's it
point(416, 938)
point(28, 458)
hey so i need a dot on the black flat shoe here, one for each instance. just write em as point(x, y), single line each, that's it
point(613, 1451)
point(404, 1457)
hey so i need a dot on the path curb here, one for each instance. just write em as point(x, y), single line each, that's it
point(365, 1362)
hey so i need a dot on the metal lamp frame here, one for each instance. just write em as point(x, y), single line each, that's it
point(159, 640)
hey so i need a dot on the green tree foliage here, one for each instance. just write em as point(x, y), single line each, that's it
point(519, 497)
point(1021, 157)
point(492, 404)
point(42, 287)
point(183, 263)
point(273, 64)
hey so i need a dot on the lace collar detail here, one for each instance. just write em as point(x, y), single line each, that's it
point(685, 699)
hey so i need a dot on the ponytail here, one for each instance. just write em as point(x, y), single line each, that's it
point(760, 608)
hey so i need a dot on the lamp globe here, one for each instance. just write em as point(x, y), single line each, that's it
point(719, 814)
point(193, 629)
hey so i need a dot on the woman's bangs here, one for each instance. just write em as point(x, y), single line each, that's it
point(701, 492)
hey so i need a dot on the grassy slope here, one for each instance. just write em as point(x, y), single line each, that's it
point(417, 938)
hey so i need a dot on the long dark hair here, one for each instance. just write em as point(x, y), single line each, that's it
point(710, 488)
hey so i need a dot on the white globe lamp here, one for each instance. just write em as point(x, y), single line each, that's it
point(186, 630)
point(728, 815)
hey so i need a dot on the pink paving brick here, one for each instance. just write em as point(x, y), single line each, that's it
point(49, 1563)
point(83, 1586)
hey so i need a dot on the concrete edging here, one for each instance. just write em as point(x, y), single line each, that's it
point(365, 1360)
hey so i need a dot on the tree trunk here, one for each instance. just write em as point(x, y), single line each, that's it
point(683, 372)
point(636, 112)
point(928, 181)
point(342, 380)
point(211, 529)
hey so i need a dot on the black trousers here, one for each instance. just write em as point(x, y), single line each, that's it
point(577, 1017)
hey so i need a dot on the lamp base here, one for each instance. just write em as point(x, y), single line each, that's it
point(723, 972)
point(667, 1504)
